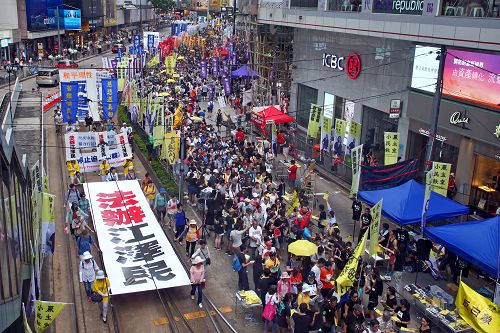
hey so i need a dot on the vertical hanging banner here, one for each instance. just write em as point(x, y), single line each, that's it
point(169, 122)
point(476, 310)
point(170, 147)
point(225, 67)
point(326, 131)
point(46, 313)
point(226, 83)
point(348, 275)
point(375, 212)
point(159, 128)
point(441, 177)
point(48, 231)
point(314, 121)
point(429, 179)
point(123, 146)
point(340, 125)
point(356, 168)
point(120, 74)
point(109, 97)
point(203, 69)
point(69, 101)
point(215, 66)
point(391, 142)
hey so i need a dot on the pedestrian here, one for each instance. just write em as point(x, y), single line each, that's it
point(402, 313)
point(241, 268)
point(127, 164)
point(72, 195)
point(373, 327)
point(160, 205)
point(104, 168)
point(355, 321)
point(180, 223)
point(112, 175)
point(84, 242)
point(366, 220)
point(203, 252)
point(84, 204)
point(218, 230)
point(87, 272)
point(79, 180)
point(386, 324)
point(357, 208)
point(236, 235)
point(131, 175)
point(150, 192)
point(271, 301)
point(88, 121)
point(102, 287)
point(145, 180)
point(192, 236)
point(302, 321)
point(292, 175)
point(171, 209)
point(73, 167)
point(330, 314)
point(374, 289)
point(284, 313)
point(284, 285)
point(425, 326)
point(197, 277)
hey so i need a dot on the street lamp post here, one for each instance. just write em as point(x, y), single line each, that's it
point(58, 32)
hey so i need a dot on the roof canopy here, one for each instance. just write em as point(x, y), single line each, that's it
point(244, 71)
point(403, 203)
point(270, 114)
point(478, 242)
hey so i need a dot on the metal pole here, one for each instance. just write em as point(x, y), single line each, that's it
point(58, 32)
point(208, 11)
point(234, 18)
point(436, 102)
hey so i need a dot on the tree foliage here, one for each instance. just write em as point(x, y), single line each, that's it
point(163, 6)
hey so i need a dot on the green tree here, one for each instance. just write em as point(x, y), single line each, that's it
point(163, 6)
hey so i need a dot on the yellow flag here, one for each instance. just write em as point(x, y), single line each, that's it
point(170, 147)
point(348, 275)
point(46, 313)
point(478, 311)
point(441, 177)
point(375, 212)
point(27, 328)
point(178, 118)
point(154, 61)
point(48, 208)
point(294, 203)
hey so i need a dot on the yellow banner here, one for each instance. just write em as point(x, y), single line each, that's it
point(340, 125)
point(48, 207)
point(348, 275)
point(391, 142)
point(178, 117)
point(314, 120)
point(294, 203)
point(154, 61)
point(356, 154)
point(375, 212)
point(170, 148)
point(355, 130)
point(46, 313)
point(478, 311)
point(441, 177)
point(168, 64)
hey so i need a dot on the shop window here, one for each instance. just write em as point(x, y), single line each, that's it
point(374, 124)
point(485, 189)
point(305, 97)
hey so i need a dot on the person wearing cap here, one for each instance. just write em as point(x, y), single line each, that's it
point(131, 175)
point(355, 321)
point(192, 236)
point(197, 277)
point(127, 164)
point(87, 272)
point(284, 285)
point(306, 295)
point(102, 287)
point(330, 314)
point(160, 205)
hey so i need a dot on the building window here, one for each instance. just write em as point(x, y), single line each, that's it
point(305, 97)
point(375, 123)
point(485, 189)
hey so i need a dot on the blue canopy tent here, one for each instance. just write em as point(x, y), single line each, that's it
point(244, 71)
point(403, 203)
point(478, 242)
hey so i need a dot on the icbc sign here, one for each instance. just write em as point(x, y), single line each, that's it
point(352, 65)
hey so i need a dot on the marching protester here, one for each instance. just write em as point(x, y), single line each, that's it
point(102, 287)
point(197, 276)
point(87, 271)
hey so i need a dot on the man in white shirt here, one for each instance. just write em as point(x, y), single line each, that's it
point(316, 269)
point(112, 175)
point(255, 234)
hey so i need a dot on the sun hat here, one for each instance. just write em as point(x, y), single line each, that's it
point(197, 260)
point(100, 275)
point(192, 222)
point(86, 255)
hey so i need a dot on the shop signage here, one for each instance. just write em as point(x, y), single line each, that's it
point(72, 19)
point(4, 42)
point(351, 65)
point(426, 133)
point(395, 108)
point(458, 119)
point(410, 7)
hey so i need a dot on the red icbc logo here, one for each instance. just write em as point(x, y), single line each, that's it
point(353, 65)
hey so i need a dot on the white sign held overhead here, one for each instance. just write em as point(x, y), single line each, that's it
point(137, 254)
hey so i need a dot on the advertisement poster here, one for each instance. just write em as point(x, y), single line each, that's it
point(72, 19)
point(391, 149)
point(123, 218)
point(441, 177)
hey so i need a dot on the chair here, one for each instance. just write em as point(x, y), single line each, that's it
point(477, 12)
point(450, 11)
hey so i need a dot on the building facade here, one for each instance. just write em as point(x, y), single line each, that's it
point(355, 58)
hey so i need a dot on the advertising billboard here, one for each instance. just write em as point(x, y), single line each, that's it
point(109, 12)
point(72, 19)
point(468, 76)
point(40, 14)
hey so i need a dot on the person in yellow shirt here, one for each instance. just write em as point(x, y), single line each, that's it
point(126, 165)
point(73, 167)
point(102, 287)
point(150, 192)
point(305, 295)
point(273, 263)
point(104, 168)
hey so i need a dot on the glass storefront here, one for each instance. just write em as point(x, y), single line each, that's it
point(485, 188)
point(374, 124)
point(305, 96)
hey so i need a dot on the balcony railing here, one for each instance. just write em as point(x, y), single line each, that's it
point(471, 8)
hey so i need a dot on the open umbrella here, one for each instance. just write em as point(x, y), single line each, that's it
point(194, 118)
point(164, 93)
point(170, 81)
point(303, 248)
point(176, 76)
point(180, 58)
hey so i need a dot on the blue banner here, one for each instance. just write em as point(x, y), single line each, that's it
point(109, 97)
point(151, 42)
point(226, 84)
point(137, 43)
point(377, 177)
point(69, 101)
point(203, 69)
point(120, 53)
point(215, 66)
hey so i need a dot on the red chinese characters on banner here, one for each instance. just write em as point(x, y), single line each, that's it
point(120, 208)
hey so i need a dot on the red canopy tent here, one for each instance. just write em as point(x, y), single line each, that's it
point(269, 114)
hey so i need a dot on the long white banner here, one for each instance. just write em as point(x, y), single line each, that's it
point(134, 246)
point(89, 161)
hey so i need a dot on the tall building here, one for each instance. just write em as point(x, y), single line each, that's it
point(355, 57)
point(9, 29)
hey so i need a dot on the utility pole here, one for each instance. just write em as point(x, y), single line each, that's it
point(181, 167)
point(234, 18)
point(436, 102)
point(58, 32)
point(208, 11)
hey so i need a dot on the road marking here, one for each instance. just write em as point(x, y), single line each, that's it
point(192, 315)
point(160, 321)
point(225, 309)
point(195, 315)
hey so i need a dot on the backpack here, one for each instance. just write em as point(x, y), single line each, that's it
point(93, 263)
point(83, 244)
point(236, 264)
point(161, 201)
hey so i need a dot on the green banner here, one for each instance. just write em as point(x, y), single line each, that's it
point(340, 125)
point(441, 177)
point(375, 212)
point(314, 121)
point(391, 142)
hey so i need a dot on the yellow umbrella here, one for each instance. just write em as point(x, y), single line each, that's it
point(176, 76)
point(180, 58)
point(303, 248)
point(170, 81)
point(196, 118)
point(164, 93)
point(163, 71)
